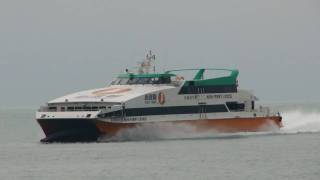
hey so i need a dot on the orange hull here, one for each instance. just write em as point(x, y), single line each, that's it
point(218, 125)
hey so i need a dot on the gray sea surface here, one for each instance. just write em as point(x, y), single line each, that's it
point(291, 153)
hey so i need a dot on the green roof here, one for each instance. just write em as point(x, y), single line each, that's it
point(198, 80)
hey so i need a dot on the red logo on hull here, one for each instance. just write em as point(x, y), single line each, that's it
point(161, 98)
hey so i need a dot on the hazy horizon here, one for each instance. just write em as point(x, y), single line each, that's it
point(51, 48)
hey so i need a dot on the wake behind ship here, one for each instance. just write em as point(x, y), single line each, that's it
point(202, 102)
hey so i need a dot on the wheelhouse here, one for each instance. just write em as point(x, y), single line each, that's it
point(131, 79)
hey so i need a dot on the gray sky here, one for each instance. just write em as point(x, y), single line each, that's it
point(52, 47)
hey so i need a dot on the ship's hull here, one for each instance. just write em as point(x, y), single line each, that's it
point(87, 130)
point(69, 130)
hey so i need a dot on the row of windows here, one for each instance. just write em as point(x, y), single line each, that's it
point(77, 108)
point(168, 110)
point(208, 89)
point(129, 81)
point(232, 106)
point(235, 106)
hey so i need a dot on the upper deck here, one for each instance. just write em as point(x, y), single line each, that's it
point(200, 83)
point(129, 85)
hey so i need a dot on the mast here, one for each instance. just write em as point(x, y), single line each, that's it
point(148, 64)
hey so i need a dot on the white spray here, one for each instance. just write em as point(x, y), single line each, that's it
point(294, 121)
point(298, 121)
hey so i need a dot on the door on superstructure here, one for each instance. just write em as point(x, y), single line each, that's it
point(202, 103)
point(202, 110)
point(123, 112)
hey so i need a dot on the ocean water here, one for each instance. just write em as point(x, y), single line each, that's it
point(146, 153)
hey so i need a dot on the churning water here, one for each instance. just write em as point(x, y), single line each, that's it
point(165, 152)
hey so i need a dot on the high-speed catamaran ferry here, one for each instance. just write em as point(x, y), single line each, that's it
point(135, 99)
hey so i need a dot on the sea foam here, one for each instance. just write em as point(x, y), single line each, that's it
point(294, 121)
point(297, 121)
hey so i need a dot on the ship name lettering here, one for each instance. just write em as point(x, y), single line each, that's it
point(216, 96)
point(191, 97)
point(150, 99)
point(135, 119)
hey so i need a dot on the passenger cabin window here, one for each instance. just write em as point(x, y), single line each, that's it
point(123, 81)
point(139, 80)
point(78, 108)
point(115, 82)
point(70, 108)
point(165, 80)
point(53, 108)
point(235, 106)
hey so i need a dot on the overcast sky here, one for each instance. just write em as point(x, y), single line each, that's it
point(52, 47)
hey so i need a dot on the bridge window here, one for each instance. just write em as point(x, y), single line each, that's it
point(142, 80)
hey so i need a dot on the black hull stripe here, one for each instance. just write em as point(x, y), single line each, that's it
point(167, 110)
point(208, 89)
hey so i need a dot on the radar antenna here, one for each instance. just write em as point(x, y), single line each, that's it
point(147, 64)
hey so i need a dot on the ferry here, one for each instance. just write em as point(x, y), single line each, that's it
point(209, 101)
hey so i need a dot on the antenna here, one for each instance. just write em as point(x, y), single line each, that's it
point(146, 64)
